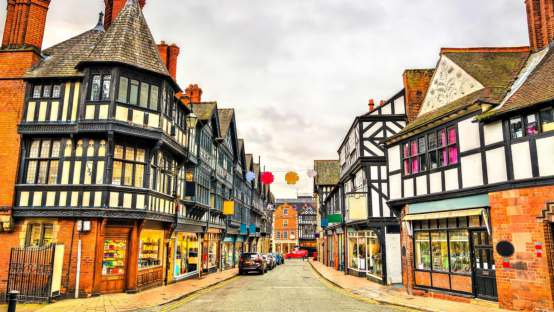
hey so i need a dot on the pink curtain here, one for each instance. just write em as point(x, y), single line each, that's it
point(451, 135)
point(452, 155)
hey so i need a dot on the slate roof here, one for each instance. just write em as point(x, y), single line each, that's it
point(537, 88)
point(204, 110)
point(61, 60)
point(128, 41)
point(328, 172)
point(225, 117)
point(495, 70)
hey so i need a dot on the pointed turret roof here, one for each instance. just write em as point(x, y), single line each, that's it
point(129, 41)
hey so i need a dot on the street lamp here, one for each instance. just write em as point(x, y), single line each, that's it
point(191, 119)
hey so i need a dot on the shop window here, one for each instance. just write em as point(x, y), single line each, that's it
point(422, 251)
point(150, 249)
point(439, 251)
point(39, 235)
point(459, 252)
point(212, 250)
point(113, 262)
point(128, 166)
point(43, 162)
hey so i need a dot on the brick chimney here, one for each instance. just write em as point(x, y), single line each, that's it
point(25, 23)
point(169, 55)
point(194, 93)
point(371, 104)
point(540, 19)
point(416, 83)
point(113, 7)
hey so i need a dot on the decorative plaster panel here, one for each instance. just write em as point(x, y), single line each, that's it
point(449, 83)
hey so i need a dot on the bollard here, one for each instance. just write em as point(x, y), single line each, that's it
point(12, 300)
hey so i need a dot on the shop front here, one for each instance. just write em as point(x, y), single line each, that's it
point(115, 254)
point(150, 255)
point(239, 241)
point(364, 254)
point(186, 255)
point(228, 253)
point(452, 251)
point(211, 251)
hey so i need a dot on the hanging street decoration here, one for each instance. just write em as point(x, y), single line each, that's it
point(312, 173)
point(267, 178)
point(250, 176)
point(291, 177)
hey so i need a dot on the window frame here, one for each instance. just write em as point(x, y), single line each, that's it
point(523, 117)
point(150, 104)
point(134, 163)
point(105, 77)
point(43, 227)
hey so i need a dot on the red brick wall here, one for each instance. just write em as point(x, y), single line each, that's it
point(416, 83)
point(527, 285)
point(113, 7)
point(25, 22)
point(540, 19)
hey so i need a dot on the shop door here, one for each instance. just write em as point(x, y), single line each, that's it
point(114, 264)
point(484, 270)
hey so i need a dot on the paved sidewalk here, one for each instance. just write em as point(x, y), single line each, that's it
point(396, 296)
point(127, 302)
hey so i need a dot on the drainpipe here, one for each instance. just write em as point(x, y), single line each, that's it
point(78, 274)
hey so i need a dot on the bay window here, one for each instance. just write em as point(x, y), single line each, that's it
point(128, 166)
point(138, 93)
point(100, 87)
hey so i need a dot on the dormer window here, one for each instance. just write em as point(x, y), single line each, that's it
point(100, 87)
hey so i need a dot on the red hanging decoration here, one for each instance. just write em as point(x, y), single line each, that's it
point(267, 178)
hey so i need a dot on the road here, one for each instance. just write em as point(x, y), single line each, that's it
point(293, 286)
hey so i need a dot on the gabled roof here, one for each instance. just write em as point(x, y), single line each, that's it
point(129, 41)
point(328, 172)
point(494, 68)
point(205, 110)
point(61, 60)
point(249, 159)
point(537, 88)
point(225, 117)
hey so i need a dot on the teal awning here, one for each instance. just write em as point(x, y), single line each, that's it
point(476, 201)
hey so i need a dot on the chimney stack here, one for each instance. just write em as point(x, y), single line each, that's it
point(25, 23)
point(169, 55)
point(540, 19)
point(194, 93)
point(416, 83)
point(371, 105)
point(113, 7)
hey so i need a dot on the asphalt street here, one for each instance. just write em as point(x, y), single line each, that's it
point(293, 286)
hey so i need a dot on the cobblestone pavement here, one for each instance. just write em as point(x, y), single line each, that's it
point(290, 287)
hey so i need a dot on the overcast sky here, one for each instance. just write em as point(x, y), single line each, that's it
point(298, 71)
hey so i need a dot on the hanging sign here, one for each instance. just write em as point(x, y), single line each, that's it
point(267, 178)
point(250, 176)
point(291, 177)
point(538, 249)
point(228, 207)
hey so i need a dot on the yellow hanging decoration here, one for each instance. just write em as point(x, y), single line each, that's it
point(291, 177)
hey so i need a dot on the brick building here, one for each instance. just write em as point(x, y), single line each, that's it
point(119, 179)
point(472, 177)
point(285, 227)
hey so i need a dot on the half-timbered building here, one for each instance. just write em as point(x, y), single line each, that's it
point(472, 176)
point(307, 224)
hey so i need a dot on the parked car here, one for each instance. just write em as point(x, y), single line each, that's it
point(297, 254)
point(278, 258)
point(252, 261)
point(270, 261)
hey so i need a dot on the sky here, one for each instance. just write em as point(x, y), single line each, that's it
point(297, 72)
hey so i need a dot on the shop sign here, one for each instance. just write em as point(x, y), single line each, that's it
point(252, 228)
point(243, 229)
point(334, 218)
point(324, 222)
point(229, 207)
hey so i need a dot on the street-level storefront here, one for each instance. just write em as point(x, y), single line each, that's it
point(186, 255)
point(239, 243)
point(211, 251)
point(452, 249)
point(115, 255)
point(364, 253)
point(228, 253)
point(151, 255)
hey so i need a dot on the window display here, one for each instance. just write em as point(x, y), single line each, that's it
point(186, 254)
point(422, 251)
point(150, 249)
point(213, 244)
point(439, 248)
point(459, 252)
point(228, 252)
point(364, 250)
point(113, 262)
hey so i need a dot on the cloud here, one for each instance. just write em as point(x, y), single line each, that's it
point(298, 72)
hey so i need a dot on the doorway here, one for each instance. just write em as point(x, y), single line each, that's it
point(484, 269)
